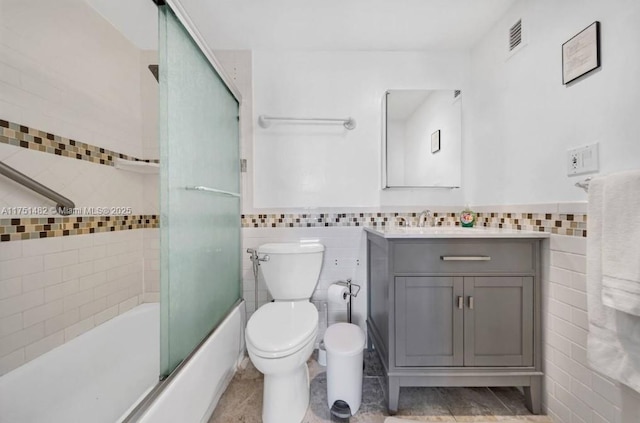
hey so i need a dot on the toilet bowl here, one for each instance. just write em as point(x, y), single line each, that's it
point(280, 340)
point(281, 335)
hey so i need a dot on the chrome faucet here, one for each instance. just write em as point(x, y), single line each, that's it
point(425, 219)
point(402, 221)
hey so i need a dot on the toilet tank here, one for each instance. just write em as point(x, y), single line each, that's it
point(292, 269)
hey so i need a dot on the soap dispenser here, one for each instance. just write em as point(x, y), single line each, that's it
point(467, 217)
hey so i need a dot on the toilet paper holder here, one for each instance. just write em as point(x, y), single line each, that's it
point(351, 294)
point(349, 284)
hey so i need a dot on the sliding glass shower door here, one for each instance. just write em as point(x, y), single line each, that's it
point(199, 195)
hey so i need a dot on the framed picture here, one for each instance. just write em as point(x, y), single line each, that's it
point(581, 54)
point(435, 142)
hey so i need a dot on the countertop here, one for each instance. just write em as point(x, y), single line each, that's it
point(452, 232)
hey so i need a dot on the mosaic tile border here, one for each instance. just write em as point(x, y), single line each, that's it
point(554, 223)
point(17, 229)
point(14, 229)
point(33, 139)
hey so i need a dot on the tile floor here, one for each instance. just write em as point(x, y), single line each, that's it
point(242, 401)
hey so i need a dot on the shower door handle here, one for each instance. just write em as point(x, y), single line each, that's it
point(213, 190)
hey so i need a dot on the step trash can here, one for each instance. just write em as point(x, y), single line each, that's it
point(345, 344)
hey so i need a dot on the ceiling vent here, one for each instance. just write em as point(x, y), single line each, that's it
point(515, 35)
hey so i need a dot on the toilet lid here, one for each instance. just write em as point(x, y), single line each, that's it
point(281, 328)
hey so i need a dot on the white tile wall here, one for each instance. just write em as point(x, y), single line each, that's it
point(52, 290)
point(149, 105)
point(86, 184)
point(345, 257)
point(66, 70)
point(573, 392)
point(151, 253)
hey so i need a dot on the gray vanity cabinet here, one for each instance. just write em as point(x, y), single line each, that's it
point(428, 322)
point(498, 325)
point(456, 312)
point(470, 321)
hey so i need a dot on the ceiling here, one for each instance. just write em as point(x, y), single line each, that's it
point(317, 25)
point(135, 19)
point(344, 24)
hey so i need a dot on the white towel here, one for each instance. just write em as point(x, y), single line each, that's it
point(614, 337)
point(621, 242)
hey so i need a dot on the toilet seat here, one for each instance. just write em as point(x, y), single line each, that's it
point(281, 328)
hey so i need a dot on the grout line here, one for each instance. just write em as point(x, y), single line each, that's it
point(501, 402)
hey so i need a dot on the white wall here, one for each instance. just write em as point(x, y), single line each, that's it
point(519, 119)
point(305, 166)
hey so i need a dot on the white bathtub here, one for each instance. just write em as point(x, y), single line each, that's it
point(95, 377)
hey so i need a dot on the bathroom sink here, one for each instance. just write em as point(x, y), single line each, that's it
point(433, 229)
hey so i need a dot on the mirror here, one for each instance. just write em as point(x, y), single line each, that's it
point(422, 139)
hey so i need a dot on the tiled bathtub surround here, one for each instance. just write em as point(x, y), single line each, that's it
point(54, 289)
point(48, 227)
point(555, 223)
point(34, 139)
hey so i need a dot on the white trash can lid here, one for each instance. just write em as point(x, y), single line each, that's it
point(344, 339)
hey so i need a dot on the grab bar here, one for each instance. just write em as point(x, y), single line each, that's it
point(349, 123)
point(213, 190)
point(64, 206)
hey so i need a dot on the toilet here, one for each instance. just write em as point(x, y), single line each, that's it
point(281, 335)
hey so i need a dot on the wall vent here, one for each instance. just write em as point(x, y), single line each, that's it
point(515, 35)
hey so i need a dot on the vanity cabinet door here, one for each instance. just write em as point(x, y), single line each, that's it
point(428, 321)
point(498, 321)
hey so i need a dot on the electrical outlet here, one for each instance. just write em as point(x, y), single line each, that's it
point(582, 160)
point(574, 162)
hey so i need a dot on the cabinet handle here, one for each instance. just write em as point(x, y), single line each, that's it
point(465, 258)
point(470, 302)
point(460, 302)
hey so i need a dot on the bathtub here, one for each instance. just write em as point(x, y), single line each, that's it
point(96, 377)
